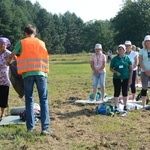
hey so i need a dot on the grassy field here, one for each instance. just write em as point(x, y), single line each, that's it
point(77, 126)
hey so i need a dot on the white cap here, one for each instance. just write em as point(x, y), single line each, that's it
point(128, 43)
point(123, 46)
point(147, 37)
point(98, 46)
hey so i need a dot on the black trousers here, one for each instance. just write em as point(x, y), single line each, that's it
point(133, 87)
point(120, 85)
point(4, 91)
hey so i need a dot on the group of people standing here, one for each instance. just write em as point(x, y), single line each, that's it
point(33, 65)
point(124, 67)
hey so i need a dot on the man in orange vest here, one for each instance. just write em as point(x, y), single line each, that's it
point(33, 65)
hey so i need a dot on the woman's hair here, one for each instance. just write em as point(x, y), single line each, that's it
point(30, 29)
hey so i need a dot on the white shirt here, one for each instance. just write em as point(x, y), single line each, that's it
point(132, 55)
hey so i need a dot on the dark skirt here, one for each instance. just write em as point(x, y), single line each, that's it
point(4, 92)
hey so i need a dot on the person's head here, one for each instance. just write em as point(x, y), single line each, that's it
point(128, 45)
point(4, 43)
point(121, 49)
point(133, 47)
point(30, 30)
point(146, 42)
point(98, 48)
point(137, 49)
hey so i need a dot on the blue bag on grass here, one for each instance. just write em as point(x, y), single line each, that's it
point(105, 109)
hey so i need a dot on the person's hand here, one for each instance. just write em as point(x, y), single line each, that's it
point(7, 63)
point(118, 74)
point(130, 81)
point(96, 72)
point(100, 70)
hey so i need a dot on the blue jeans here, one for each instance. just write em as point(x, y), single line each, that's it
point(41, 84)
point(100, 78)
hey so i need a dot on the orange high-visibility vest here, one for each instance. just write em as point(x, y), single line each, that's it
point(34, 56)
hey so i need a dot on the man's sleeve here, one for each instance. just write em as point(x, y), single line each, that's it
point(18, 48)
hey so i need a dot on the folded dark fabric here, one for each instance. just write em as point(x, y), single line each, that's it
point(16, 80)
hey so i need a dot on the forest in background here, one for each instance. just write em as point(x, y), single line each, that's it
point(68, 34)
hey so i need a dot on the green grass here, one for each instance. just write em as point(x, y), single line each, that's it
point(77, 126)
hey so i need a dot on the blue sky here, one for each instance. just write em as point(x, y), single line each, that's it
point(85, 9)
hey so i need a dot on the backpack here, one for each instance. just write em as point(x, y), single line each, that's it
point(36, 113)
point(23, 115)
point(105, 109)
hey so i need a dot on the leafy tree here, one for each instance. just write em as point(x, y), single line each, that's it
point(12, 21)
point(59, 35)
point(132, 22)
point(74, 25)
point(98, 31)
point(6, 17)
point(45, 25)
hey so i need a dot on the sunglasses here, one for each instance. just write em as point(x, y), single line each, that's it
point(148, 54)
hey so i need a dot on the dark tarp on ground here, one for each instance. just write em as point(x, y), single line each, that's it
point(16, 80)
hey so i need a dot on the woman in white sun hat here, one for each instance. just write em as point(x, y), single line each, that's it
point(144, 61)
point(98, 64)
point(134, 59)
point(121, 66)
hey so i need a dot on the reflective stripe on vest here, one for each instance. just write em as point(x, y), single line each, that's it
point(33, 66)
point(34, 56)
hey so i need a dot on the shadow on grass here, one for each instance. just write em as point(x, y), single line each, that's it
point(83, 112)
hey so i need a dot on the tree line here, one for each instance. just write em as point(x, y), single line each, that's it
point(67, 33)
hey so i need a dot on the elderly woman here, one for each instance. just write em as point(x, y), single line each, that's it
point(144, 61)
point(121, 66)
point(4, 75)
point(134, 59)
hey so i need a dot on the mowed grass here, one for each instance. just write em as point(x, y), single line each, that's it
point(77, 126)
point(72, 73)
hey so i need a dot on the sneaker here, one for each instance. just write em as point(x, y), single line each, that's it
point(124, 113)
point(47, 132)
point(144, 107)
point(116, 111)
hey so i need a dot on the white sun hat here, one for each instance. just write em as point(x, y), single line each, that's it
point(98, 46)
point(123, 46)
point(128, 43)
point(146, 38)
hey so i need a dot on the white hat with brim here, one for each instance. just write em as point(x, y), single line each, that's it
point(147, 37)
point(123, 46)
point(98, 46)
point(128, 43)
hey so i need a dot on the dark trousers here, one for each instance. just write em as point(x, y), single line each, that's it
point(133, 87)
point(119, 85)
